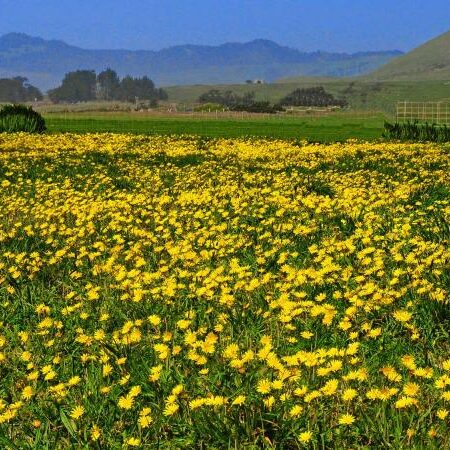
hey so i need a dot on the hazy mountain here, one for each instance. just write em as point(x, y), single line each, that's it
point(430, 61)
point(45, 62)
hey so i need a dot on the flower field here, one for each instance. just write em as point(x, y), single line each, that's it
point(171, 293)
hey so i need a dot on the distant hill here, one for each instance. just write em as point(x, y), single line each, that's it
point(44, 62)
point(430, 61)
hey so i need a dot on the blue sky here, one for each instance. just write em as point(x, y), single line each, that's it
point(331, 25)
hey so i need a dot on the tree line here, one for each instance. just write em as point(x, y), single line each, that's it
point(86, 85)
point(17, 90)
point(314, 96)
point(83, 86)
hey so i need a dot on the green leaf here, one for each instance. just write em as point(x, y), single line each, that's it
point(6, 443)
point(69, 424)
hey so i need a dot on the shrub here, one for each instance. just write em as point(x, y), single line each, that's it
point(210, 107)
point(224, 98)
point(258, 107)
point(416, 132)
point(14, 118)
point(315, 96)
point(234, 102)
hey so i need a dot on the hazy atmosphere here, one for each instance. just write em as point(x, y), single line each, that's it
point(340, 26)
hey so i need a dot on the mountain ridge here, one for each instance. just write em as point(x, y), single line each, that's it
point(44, 62)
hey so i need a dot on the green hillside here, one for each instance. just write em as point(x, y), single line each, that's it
point(362, 94)
point(430, 61)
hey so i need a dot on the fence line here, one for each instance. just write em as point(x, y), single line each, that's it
point(208, 115)
point(431, 112)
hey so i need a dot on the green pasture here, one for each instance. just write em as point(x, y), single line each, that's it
point(336, 127)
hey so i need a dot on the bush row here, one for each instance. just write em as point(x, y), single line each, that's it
point(416, 132)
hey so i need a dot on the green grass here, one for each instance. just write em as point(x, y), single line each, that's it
point(336, 127)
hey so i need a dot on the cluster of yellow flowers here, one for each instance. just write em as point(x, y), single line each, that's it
point(226, 293)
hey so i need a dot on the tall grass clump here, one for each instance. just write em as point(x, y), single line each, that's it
point(416, 132)
point(15, 118)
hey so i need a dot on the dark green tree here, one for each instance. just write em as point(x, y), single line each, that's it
point(16, 90)
point(78, 86)
point(108, 85)
point(225, 98)
point(162, 94)
point(133, 89)
point(85, 85)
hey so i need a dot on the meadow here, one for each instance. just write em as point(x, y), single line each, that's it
point(186, 292)
point(318, 128)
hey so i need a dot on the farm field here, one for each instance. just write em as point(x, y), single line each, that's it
point(179, 292)
point(325, 128)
